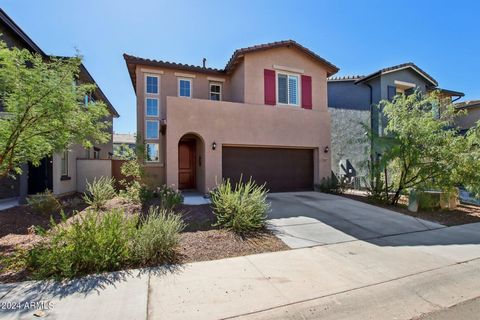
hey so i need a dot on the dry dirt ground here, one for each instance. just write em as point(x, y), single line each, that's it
point(200, 240)
point(463, 214)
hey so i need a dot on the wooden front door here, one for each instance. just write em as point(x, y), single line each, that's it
point(186, 164)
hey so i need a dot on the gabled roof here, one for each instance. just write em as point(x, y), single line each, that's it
point(132, 61)
point(408, 65)
point(467, 104)
point(346, 78)
point(286, 43)
point(32, 46)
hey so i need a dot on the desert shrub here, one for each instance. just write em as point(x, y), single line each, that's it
point(99, 191)
point(331, 185)
point(134, 189)
point(169, 197)
point(241, 209)
point(44, 203)
point(91, 243)
point(157, 237)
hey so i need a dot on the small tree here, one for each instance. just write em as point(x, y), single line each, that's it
point(425, 149)
point(124, 152)
point(44, 108)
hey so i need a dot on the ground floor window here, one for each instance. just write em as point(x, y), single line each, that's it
point(64, 163)
point(96, 153)
point(152, 152)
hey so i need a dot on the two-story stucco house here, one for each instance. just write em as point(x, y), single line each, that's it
point(352, 102)
point(264, 115)
point(60, 171)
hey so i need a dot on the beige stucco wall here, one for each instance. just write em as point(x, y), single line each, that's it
point(256, 62)
point(229, 123)
point(88, 170)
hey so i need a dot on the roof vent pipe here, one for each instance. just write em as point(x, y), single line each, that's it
point(204, 62)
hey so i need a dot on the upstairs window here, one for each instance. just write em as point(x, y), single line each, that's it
point(96, 153)
point(185, 88)
point(215, 91)
point(287, 89)
point(151, 107)
point(152, 84)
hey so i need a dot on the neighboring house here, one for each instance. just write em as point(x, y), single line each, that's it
point(123, 140)
point(264, 115)
point(58, 172)
point(471, 116)
point(352, 102)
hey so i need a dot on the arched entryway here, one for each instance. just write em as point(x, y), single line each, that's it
point(191, 162)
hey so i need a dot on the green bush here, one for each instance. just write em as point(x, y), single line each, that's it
point(157, 236)
point(89, 244)
point(241, 209)
point(169, 197)
point(331, 185)
point(44, 203)
point(135, 189)
point(99, 191)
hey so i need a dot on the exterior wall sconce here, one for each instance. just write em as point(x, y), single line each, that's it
point(214, 145)
point(326, 149)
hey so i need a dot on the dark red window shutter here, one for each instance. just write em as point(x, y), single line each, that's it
point(306, 92)
point(269, 86)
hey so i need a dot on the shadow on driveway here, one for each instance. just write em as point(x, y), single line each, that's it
point(304, 219)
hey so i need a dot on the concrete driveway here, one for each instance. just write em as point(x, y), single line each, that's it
point(305, 219)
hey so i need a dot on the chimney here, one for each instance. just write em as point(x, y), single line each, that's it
point(204, 62)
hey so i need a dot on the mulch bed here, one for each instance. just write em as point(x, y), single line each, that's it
point(463, 214)
point(200, 241)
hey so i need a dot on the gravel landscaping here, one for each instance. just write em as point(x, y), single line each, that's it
point(463, 214)
point(200, 241)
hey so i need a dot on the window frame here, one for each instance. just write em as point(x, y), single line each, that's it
point(146, 107)
point(299, 89)
point(178, 87)
point(148, 75)
point(158, 152)
point(64, 164)
point(146, 129)
point(213, 83)
point(96, 151)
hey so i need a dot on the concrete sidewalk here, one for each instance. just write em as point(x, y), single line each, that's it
point(384, 278)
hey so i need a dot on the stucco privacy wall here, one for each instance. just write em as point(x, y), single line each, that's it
point(228, 123)
point(349, 140)
point(88, 170)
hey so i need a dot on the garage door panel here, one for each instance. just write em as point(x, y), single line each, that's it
point(281, 169)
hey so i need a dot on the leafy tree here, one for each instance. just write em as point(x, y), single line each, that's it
point(44, 109)
point(423, 148)
point(124, 152)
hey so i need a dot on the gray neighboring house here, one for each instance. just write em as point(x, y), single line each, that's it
point(471, 116)
point(62, 172)
point(352, 104)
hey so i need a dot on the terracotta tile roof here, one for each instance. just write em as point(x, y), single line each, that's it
point(399, 67)
point(131, 61)
point(286, 43)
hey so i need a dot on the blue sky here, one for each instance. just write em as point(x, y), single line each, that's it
point(357, 36)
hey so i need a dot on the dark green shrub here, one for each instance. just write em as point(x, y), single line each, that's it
point(169, 197)
point(89, 244)
point(44, 203)
point(157, 236)
point(99, 191)
point(241, 209)
point(331, 185)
